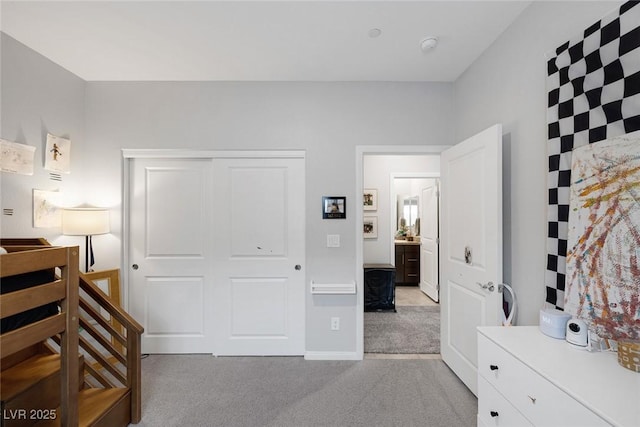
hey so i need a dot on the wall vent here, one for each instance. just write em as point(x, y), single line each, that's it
point(55, 176)
point(7, 212)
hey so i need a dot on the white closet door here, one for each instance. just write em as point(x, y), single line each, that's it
point(170, 262)
point(259, 228)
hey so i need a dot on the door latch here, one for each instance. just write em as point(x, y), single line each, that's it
point(489, 286)
point(467, 255)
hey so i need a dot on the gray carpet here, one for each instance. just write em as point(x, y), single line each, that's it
point(201, 390)
point(412, 330)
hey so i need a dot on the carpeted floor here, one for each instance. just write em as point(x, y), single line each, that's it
point(201, 390)
point(412, 330)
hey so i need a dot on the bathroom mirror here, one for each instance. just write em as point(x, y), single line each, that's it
point(408, 214)
point(410, 210)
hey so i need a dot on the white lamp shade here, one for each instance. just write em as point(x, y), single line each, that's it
point(85, 221)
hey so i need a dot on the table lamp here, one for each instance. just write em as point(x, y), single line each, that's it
point(86, 222)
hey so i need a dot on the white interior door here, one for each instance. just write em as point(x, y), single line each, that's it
point(170, 271)
point(429, 239)
point(471, 247)
point(259, 296)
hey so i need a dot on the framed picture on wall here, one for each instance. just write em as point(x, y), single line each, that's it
point(46, 211)
point(334, 207)
point(16, 158)
point(370, 199)
point(58, 154)
point(370, 227)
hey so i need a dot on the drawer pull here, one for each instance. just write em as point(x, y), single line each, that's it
point(493, 367)
point(494, 414)
point(533, 399)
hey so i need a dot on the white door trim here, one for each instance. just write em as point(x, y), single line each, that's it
point(128, 155)
point(159, 153)
point(361, 150)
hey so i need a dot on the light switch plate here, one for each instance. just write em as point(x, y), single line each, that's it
point(333, 240)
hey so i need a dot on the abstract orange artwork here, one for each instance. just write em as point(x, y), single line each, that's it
point(603, 247)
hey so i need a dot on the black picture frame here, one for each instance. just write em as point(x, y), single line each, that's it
point(334, 207)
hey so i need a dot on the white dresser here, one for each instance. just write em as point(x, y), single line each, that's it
point(526, 378)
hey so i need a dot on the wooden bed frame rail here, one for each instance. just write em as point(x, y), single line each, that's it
point(26, 259)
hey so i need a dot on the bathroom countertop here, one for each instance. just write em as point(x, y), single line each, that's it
point(406, 242)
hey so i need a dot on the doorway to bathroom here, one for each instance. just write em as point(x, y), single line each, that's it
point(415, 228)
point(400, 220)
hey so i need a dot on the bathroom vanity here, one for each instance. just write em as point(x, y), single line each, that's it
point(407, 262)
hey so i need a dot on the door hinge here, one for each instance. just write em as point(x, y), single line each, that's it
point(437, 240)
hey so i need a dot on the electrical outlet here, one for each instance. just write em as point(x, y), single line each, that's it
point(335, 323)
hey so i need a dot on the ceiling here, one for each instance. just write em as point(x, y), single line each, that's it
point(259, 40)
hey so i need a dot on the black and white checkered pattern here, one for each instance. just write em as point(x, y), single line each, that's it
point(593, 86)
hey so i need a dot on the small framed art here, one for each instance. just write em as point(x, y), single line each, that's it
point(46, 211)
point(370, 199)
point(370, 224)
point(334, 207)
point(58, 154)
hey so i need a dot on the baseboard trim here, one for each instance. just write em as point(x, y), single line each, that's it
point(331, 355)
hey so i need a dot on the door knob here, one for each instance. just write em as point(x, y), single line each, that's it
point(298, 267)
point(134, 266)
point(488, 286)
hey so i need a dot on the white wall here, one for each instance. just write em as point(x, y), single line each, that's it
point(39, 96)
point(507, 85)
point(377, 170)
point(328, 120)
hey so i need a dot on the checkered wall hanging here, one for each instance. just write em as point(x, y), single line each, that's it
point(593, 86)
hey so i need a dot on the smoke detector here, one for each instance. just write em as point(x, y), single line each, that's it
point(428, 43)
point(374, 32)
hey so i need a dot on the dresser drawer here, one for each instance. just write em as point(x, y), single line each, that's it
point(494, 410)
point(412, 273)
point(498, 367)
point(540, 401)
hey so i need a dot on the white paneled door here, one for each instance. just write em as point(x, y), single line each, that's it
point(259, 256)
point(171, 252)
point(471, 249)
point(429, 275)
point(217, 254)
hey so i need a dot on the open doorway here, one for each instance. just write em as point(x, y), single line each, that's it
point(415, 228)
point(400, 228)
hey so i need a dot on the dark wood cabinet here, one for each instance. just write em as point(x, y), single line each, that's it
point(408, 264)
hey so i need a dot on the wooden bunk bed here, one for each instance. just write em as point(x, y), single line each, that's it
point(23, 343)
point(44, 379)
